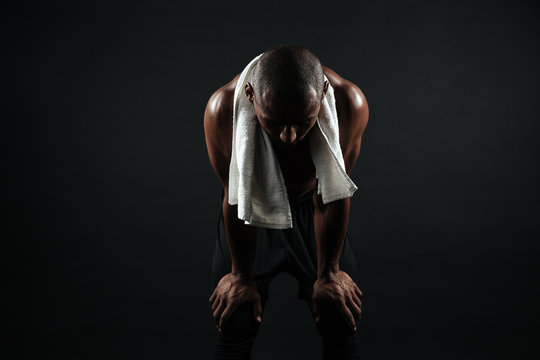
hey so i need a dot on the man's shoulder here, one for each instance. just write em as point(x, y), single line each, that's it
point(353, 113)
point(349, 98)
point(218, 129)
point(218, 112)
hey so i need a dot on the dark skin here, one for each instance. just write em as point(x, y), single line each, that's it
point(288, 122)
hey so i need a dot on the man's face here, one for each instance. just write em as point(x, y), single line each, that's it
point(287, 120)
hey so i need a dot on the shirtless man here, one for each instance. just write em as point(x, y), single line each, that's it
point(244, 261)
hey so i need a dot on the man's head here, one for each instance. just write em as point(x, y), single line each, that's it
point(287, 88)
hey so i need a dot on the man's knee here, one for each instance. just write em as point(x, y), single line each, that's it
point(332, 322)
point(237, 335)
point(340, 341)
point(242, 323)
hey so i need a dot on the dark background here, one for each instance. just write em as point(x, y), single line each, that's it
point(113, 202)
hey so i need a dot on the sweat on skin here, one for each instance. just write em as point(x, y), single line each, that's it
point(287, 119)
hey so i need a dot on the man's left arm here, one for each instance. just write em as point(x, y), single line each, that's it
point(331, 220)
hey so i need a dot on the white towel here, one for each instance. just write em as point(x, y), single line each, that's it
point(256, 183)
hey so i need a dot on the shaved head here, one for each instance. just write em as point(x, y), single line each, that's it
point(287, 71)
point(287, 88)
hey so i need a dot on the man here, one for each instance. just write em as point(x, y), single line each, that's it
point(287, 90)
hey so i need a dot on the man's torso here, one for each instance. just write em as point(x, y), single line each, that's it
point(296, 163)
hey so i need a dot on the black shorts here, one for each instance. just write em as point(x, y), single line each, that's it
point(289, 250)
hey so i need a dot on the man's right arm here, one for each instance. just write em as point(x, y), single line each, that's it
point(218, 133)
point(238, 286)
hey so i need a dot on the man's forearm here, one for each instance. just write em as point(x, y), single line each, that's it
point(330, 223)
point(241, 239)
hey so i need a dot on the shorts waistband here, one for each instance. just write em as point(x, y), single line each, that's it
point(308, 196)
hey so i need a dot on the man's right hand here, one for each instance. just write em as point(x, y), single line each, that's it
point(231, 292)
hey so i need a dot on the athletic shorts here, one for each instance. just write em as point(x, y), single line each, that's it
point(291, 250)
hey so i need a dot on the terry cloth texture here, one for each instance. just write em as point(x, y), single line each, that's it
point(256, 183)
point(283, 250)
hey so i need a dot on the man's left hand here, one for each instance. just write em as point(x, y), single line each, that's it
point(340, 290)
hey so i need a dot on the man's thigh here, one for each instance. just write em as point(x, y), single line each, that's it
point(269, 258)
point(332, 323)
point(347, 263)
point(242, 323)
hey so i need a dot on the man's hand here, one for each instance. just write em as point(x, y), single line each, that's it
point(340, 290)
point(231, 292)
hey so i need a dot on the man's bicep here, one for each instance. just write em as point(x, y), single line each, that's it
point(220, 163)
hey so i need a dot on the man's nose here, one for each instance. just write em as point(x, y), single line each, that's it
point(288, 134)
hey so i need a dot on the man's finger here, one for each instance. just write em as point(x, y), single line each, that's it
point(316, 314)
point(213, 296)
point(258, 310)
point(347, 314)
point(357, 291)
point(225, 315)
point(216, 304)
point(219, 310)
point(357, 300)
point(355, 309)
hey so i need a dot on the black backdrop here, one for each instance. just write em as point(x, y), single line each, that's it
point(113, 203)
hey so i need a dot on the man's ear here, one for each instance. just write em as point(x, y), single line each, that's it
point(325, 89)
point(249, 92)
